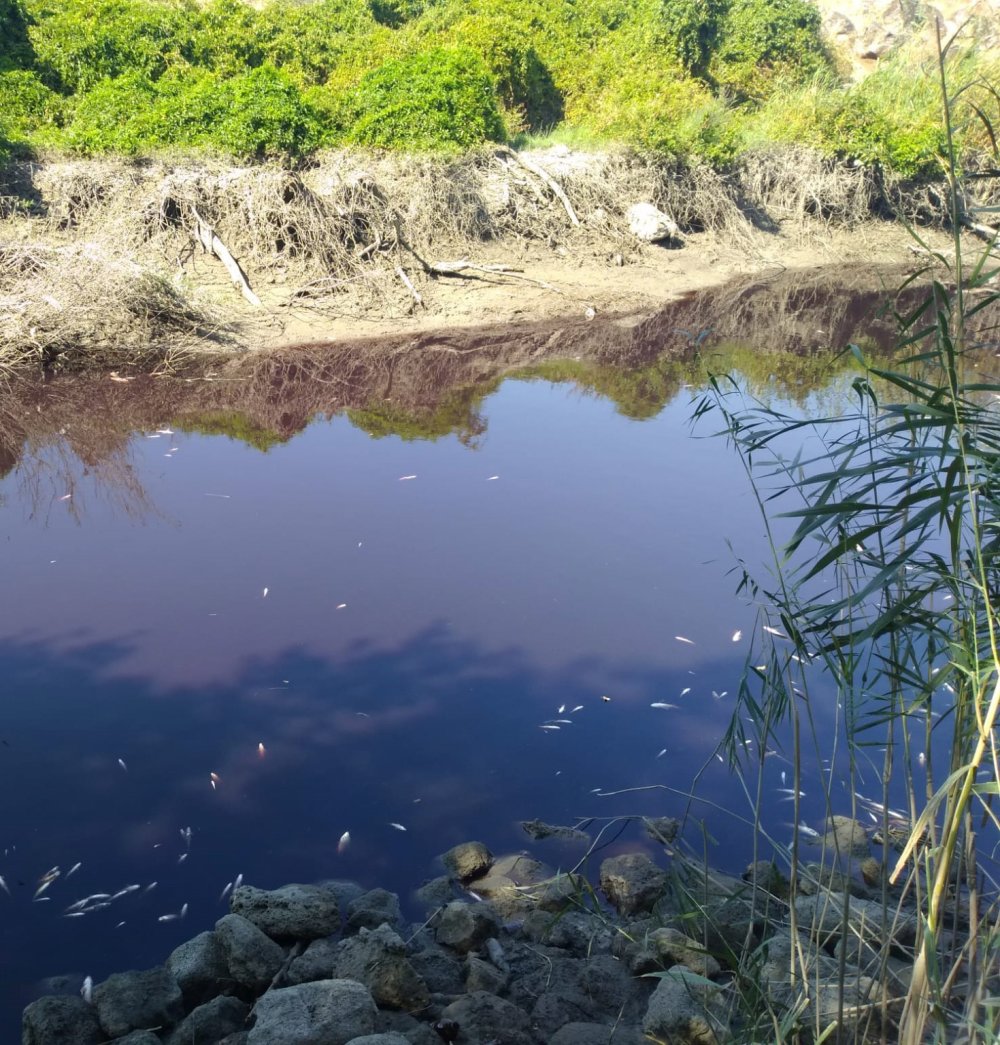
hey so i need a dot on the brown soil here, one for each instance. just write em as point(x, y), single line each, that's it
point(582, 287)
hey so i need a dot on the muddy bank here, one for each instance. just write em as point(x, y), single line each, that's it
point(131, 265)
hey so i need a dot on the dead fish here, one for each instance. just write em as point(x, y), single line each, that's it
point(182, 858)
point(46, 882)
point(184, 910)
point(404, 478)
point(664, 707)
point(121, 762)
point(662, 753)
point(492, 477)
point(680, 638)
point(76, 867)
point(547, 726)
point(126, 891)
point(149, 888)
point(87, 990)
point(737, 635)
point(65, 497)
point(263, 594)
point(119, 925)
point(719, 696)
point(239, 881)
point(606, 699)
point(3, 885)
point(774, 631)
point(342, 606)
point(186, 835)
point(225, 892)
point(261, 750)
point(214, 779)
point(561, 710)
point(73, 914)
point(579, 707)
point(167, 918)
point(398, 827)
point(345, 841)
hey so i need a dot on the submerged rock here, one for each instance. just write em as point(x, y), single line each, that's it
point(211, 1022)
point(465, 927)
point(199, 967)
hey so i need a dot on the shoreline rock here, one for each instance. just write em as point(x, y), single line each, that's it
point(285, 968)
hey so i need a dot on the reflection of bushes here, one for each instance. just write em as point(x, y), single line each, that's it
point(456, 414)
point(231, 423)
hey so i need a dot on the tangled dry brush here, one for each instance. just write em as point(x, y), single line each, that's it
point(100, 261)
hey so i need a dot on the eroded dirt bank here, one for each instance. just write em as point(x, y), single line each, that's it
point(125, 266)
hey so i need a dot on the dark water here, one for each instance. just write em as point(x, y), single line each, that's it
point(394, 643)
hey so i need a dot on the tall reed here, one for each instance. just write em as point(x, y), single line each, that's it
point(887, 592)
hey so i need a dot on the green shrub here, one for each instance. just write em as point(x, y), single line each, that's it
point(259, 114)
point(692, 29)
point(309, 41)
point(27, 105)
point(441, 98)
point(15, 47)
point(759, 38)
point(228, 37)
point(78, 43)
point(523, 83)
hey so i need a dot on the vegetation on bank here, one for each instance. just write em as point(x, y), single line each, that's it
point(703, 79)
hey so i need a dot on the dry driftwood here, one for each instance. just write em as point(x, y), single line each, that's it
point(211, 243)
point(458, 268)
point(409, 286)
point(539, 172)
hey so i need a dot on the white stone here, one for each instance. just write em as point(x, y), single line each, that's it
point(650, 224)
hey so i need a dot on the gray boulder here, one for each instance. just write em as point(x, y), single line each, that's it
point(597, 1034)
point(484, 1017)
point(465, 927)
point(685, 1012)
point(372, 909)
point(330, 1012)
point(632, 883)
point(674, 948)
point(199, 967)
point(650, 224)
point(58, 1020)
point(468, 860)
point(316, 962)
point(439, 970)
point(211, 1022)
point(483, 976)
point(294, 912)
point(391, 1038)
point(133, 1000)
point(377, 958)
point(252, 958)
point(846, 837)
point(436, 893)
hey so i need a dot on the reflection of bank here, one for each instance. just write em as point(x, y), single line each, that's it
point(781, 335)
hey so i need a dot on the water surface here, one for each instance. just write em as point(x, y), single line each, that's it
point(354, 588)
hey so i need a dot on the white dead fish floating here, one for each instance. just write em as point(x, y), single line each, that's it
point(76, 867)
point(737, 635)
point(398, 827)
point(548, 726)
point(225, 891)
point(121, 762)
point(406, 478)
point(3, 885)
point(681, 638)
point(238, 881)
point(664, 707)
point(345, 841)
point(87, 990)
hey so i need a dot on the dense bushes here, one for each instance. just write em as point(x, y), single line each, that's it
point(438, 98)
point(689, 77)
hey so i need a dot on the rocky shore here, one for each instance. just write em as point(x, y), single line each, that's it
point(512, 952)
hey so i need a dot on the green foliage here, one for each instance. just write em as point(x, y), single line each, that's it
point(523, 83)
point(431, 100)
point(259, 114)
point(692, 30)
point(759, 38)
point(15, 47)
point(78, 43)
point(27, 105)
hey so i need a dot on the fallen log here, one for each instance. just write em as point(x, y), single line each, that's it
point(539, 172)
point(211, 244)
